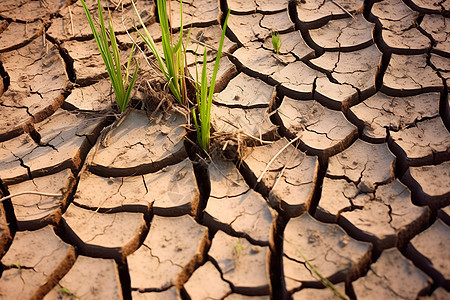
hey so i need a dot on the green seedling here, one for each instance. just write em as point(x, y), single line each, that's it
point(323, 279)
point(276, 41)
point(173, 66)
point(204, 97)
point(238, 247)
point(107, 45)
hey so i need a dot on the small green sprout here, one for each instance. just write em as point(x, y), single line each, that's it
point(276, 41)
point(238, 247)
point(111, 57)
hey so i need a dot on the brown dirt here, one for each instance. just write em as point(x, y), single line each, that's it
point(344, 156)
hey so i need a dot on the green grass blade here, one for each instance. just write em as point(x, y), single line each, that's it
point(130, 87)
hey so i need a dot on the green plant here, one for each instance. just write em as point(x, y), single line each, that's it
point(204, 97)
point(174, 68)
point(111, 57)
point(174, 64)
point(276, 41)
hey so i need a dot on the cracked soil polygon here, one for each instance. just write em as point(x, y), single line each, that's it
point(104, 282)
point(96, 97)
point(170, 190)
point(171, 245)
point(195, 13)
point(234, 207)
point(37, 80)
point(118, 232)
point(388, 218)
point(65, 137)
point(262, 6)
point(29, 11)
point(371, 164)
point(88, 64)
point(392, 276)
point(348, 33)
point(36, 211)
point(248, 124)
point(241, 263)
point(410, 74)
point(34, 264)
point(206, 283)
point(430, 184)
point(439, 29)
point(72, 21)
point(322, 131)
point(291, 43)
point(297, 79)
point(326, 246)
point(314, 12)
point(19, 34)
point(257, 27)
point(427, 142)
point(433, 244)
point(381, 111)
point(246, 91)
point(291, 178)
point(357, 69)
point(261, 61)
point(139, 145)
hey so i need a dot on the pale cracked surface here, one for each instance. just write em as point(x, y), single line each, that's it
point(246, 91)
point(381, 111)
point(34, 264)
point(235, 206)
point(34, 211)
point(206, 283)
point(323, 132)
point(433, 243)
point(327, 247)
point(120, 231)
point(310, 11)
point(170, 190)
point(426, 142)
point(170, 246)
point(139, 145)
point(391, 277)
point(363, 163)
point(37, 81)
point(357, 97)
point(289, 180)
point(65, 137)
point(410, 74)
point(104, 282)
point(245, 123)
point(241, 263)
point(348, 33)
point(430, 184)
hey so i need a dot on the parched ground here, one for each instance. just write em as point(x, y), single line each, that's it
point(344, 155)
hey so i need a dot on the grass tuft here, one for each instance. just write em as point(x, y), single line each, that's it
point(173, 65)
point(276, 42)
point(107, 45)
point(204, 97)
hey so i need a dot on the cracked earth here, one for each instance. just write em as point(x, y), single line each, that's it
point(336, 150)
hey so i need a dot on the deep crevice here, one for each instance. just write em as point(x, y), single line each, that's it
point(68, 60)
